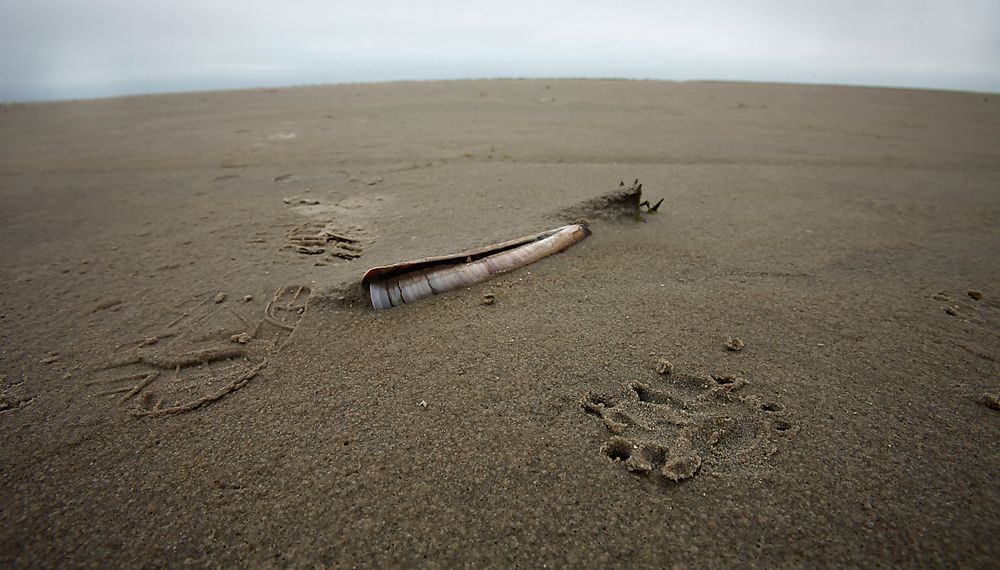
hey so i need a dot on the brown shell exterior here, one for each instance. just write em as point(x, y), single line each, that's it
point(407, 266)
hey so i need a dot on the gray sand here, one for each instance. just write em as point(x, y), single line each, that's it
point(150, 421)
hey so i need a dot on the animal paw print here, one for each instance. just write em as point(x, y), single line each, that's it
point(332, 232)
point(325, 239)
point(684, 425)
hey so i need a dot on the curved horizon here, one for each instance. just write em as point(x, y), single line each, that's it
point(70, 49)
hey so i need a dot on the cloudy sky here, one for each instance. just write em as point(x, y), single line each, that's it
point(58, 49)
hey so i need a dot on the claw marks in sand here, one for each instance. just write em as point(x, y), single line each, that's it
point(210, 350)
point(282, 314)
point(685, 425)
point(332, 232)
point(156, 385)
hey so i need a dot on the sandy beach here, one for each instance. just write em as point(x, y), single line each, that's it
point(192, 374)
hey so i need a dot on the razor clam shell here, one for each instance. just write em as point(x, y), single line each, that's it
point(410, 281)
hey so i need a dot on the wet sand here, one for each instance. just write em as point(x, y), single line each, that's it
point(192, 374)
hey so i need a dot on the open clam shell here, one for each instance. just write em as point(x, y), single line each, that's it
point(410, 281)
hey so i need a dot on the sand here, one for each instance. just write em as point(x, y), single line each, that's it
point(191, 373)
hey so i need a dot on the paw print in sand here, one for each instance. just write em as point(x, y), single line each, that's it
point(683, 425)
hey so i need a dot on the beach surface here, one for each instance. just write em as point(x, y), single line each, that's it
point(192, 373)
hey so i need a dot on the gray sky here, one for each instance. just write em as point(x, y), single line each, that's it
point(58, 49)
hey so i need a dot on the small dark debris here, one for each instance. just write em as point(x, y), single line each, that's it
point(991, 401)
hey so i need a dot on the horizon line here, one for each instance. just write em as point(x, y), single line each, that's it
point(143, 94)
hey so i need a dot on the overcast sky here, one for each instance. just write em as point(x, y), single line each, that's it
point(58, 49)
